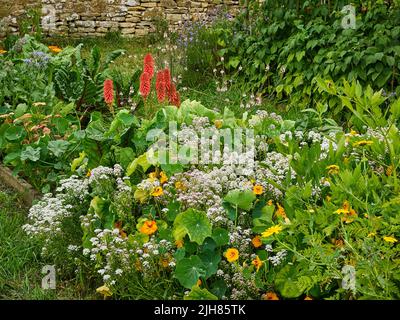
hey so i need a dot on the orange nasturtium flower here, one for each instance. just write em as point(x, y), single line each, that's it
point(257, 263)
point(232, 254)
point(256, 241)
point(55, 49)
point(270, 296)
point(149, 227)
point(157, 192)
point(179, 243)
point(257, 189)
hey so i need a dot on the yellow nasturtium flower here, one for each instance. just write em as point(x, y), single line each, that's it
point(257, 189)
point(157, 192)
point(232, 254)
point(104, 290)
point(390, 239)
point(149, 227)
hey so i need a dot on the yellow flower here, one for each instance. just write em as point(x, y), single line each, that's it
point(153, 176)
point(256, 241)
point(157, 192)
point(257, 263)
point(163, 177)
point(272, 230)
point(257, 189)
point(179, 243)
point(333, 169)
point(308, 298)
point(389, 170)
point(390, 239)
point(371, 234)
point(104, 290)
point(270, 203)
point(218, 124)
point(232, 254)
point(149, 227)
point(89, 173)
point(341, 210)
point(180, 186)
point(362, 143)
point(3, 51)
point(270, 296)
point(55, 49)
point(353, 132)
point(280, 212)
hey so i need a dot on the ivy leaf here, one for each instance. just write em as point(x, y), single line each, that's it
point(58, 147)
point(242, 199)
point(200, 294)
point(189, 270)
point(194, 223)
point(30, 154)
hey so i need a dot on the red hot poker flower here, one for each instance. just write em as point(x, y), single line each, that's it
point(174, 97)
point(148, 64)
point(160, 86)
point(145, 84)
point(167, 79)
point(108, 90)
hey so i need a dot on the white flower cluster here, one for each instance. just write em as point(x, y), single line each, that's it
point(74, 187)
point(47, 216)
point(110, 253)
point(277, 259)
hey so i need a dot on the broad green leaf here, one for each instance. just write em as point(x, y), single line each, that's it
point(220, 236)
point(241, 199)
point(30, 154)
point(58, 147)
point(200, 294)
point(194, 223)
point(189, 270)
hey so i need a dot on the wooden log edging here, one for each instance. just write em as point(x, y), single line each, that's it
point(28, 193)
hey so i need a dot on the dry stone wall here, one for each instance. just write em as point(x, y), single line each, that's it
point(82, 18)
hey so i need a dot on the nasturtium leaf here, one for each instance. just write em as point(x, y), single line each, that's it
point(241, 199)
point(219, 288)
point(58, 147)
point(30, 154)
point(200, 294)
point(20, 110)
point(179, 254)
point(189, 270)
point(210, 259)
point(194, 223)
point(14, 133)
point(286, 284)
point(220, 236)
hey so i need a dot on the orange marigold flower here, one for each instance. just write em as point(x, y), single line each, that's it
point(256, 241)
point(149, 227)
point(270, 296)
point(55, 49)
